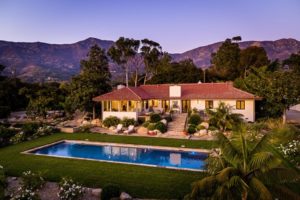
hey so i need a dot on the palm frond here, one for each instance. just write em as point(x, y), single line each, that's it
point(226, 173)
point(264, 161)
point(261, 145)
point(204, 188)
point(237, 182)
point(228, 150)
point(260, 189)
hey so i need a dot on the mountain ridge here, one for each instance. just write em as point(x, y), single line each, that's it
point(40, 61)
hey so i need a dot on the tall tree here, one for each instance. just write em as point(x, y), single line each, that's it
point(293, 62)
point(151, 52)
point(237, 39)
point(184, 71)
point(280, 89)
point(122, 51)
point(252, 56)
point(226, 60)
point(93, 80)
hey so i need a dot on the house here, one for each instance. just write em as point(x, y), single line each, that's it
point(132, 102)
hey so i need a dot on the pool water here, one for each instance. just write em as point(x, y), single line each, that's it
point(131, 155)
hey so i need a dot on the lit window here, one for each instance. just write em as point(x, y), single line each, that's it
point(240, 104)
point(209, 104)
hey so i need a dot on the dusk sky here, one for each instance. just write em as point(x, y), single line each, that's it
point(178, 25)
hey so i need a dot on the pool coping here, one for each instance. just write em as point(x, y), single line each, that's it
point(179, 149)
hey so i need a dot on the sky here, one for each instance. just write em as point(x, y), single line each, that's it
point(178, 25)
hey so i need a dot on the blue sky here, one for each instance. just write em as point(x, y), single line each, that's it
point(178, 25)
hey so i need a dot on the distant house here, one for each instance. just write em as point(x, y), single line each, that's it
point(132, 102)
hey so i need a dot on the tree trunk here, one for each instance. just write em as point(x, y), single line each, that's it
point(126, 76)
point(145, 80)
point(136, 78)
point(244, 195)
point(284, 116)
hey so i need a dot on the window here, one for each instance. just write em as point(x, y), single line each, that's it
point(106, 106)
point(209, 104)
point(240, 104)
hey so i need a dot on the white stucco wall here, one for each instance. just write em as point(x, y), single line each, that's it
point(175, 91)
point(120, 115)
point(248, 113)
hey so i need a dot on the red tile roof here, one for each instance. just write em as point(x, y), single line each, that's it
point(188, 91)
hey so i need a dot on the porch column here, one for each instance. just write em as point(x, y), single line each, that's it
point(94, 114)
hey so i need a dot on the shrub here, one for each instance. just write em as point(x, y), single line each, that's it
point(110, 191)
point(69, 190)
point(151, 126)
point(128, 121)
point(161, 127)
point(200, 127)
point(212, 128)
point(146, 124)
point(30, 128)
point(19, 137)
point(85, 128)
point(44, 130)
point(2, 182)
point(154, 117)
point(5, 135)
point(111, 121)
point(32, 180)
point(191, 129)
point(195, 119)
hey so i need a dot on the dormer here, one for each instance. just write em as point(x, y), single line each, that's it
point(175, 91)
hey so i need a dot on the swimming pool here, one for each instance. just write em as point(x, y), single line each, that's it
point(176, 158)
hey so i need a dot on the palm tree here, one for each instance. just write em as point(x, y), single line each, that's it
point(245, 170)
point(223, 117)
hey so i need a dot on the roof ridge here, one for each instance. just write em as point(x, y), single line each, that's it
point(134, 93)
point(243, 91)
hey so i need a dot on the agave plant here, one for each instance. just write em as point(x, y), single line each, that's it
point(244, 169)
point(223, 118)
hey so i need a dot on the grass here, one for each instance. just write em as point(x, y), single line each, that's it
point(139, 181)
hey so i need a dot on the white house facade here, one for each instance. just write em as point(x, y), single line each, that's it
point(133, 102)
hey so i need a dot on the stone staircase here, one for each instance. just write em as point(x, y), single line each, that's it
point(177, 125)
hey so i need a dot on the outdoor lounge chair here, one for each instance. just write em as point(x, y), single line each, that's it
point(129, 130)
point(119, 128)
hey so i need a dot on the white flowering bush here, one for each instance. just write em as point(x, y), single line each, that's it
point(44, 130)
point(291, 151)
point(25, 194)
point(32, 180)
point(19, 137)
point(69, 189)
point(31, 183)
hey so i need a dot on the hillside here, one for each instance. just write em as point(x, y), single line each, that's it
point(278, 49)
point(38, 61)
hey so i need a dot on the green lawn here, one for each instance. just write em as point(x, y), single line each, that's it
point(139, 181)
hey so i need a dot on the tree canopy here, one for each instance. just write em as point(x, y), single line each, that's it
point(280, 89)
point(122, 51)
point(93, 80)
point(226, 60)
point(151, 52)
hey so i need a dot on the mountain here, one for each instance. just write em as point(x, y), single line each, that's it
point(37, 61)
point(278, 49)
